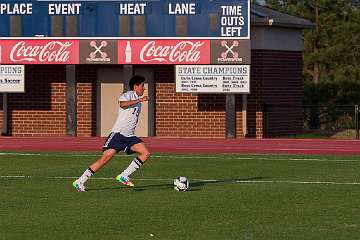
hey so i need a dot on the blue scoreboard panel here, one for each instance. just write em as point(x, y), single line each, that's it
point(211, 19)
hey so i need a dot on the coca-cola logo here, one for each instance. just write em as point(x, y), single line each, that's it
point(53, 51)
point(184, 51)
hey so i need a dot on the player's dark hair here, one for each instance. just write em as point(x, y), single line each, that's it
point(136, 80)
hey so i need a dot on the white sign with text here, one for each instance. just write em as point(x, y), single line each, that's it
point(213, 78)
point(12, 78)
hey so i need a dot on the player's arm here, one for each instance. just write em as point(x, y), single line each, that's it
point(126, 104)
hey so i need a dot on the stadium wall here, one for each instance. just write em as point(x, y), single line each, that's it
point(276, 78)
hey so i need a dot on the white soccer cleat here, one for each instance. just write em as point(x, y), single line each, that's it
point(79, 186)
point(124, 180)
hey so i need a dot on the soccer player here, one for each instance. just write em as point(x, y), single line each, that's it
point(122, 136)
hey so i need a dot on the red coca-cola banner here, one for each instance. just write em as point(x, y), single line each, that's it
point(164, 51)
point(39, 51)
point(53, 51)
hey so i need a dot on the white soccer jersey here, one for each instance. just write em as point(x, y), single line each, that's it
point(127, 118)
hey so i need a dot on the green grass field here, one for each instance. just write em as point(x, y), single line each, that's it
point(253, 197)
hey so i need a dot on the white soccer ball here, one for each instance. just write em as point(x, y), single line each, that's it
point(181, 184)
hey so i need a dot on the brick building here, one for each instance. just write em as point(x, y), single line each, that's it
point(73, 100)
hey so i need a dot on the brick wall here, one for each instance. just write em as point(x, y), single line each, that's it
point(86, 100)
point(259, 116)
point(185, 114)
point(40, 111)
point(239, 118)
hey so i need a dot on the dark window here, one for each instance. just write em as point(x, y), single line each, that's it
point(71, 26)
point(15, 26)
point(213, 18)
point(57, 25)
point(181, 26)
point(124, 26)
point(139, 25)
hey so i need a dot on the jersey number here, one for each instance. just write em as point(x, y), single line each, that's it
point(136, 111)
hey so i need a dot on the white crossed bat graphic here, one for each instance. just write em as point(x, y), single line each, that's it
point(98, 49)
point(229, 49)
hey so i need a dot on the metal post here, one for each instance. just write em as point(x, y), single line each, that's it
point(230, 116)
point(71, 116)
point(5, 130)
point(265, 120)
point(357, 121)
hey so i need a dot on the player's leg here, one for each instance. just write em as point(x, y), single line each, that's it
point(105, 158)
point(143, 155)
point(110, 148)
point(142, 150)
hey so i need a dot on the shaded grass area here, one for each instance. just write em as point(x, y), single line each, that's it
point(44, 207)
point(326, 134)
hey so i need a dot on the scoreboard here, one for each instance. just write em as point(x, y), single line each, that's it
point(159, 18)
point(207, 40)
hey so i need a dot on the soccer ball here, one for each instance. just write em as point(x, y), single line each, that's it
point(181, 184)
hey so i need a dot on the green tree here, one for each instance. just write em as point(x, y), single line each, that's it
point(332, 47)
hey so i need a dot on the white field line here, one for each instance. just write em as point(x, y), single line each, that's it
point(300, 182)
point(21, 154)
point(201, 180)
point(260, 158)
